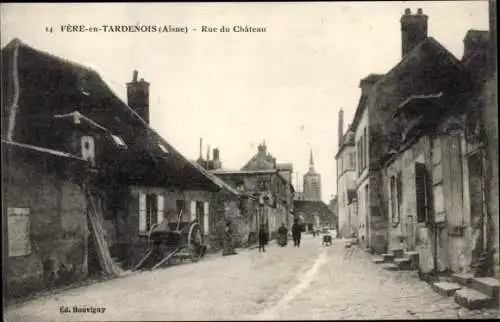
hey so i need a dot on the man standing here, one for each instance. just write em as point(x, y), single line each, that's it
point(262, 238)
point(296, 232)
point(228, 240)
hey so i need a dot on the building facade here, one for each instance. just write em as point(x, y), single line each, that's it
point(312, 182)
point(267, 191)
point(369, 231)
point(431, 144)
point(346, 182)
point(131, 179)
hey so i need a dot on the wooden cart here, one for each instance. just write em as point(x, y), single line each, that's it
point(184, 240)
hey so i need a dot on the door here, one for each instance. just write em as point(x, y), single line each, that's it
point(476, 204)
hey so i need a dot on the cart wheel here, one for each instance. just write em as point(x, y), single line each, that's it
point(195, 240)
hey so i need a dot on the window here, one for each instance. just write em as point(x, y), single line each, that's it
point(193, 210)
point(161, 208)
point(359, 157)
point(352, 163)
point(367, 202)
point(365, 136)
point(118, 141)
point(18, 231)
point(163, 148)
point(437, 182)
point(150, 211)
point(422, 194)
point(396, 197)
point(205, 218)
point(392, 193)
point(180, 206)
point(361, 147)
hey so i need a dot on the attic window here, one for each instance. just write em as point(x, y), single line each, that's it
point(85, 93)
point(163, 148)
point(119, 141)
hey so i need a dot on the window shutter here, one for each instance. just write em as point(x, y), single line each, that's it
point(161, 206)
point(206, 218)
point(142, 212)
point(421, 179)
point(192, 209)
point(153, 215)
point(399, 194)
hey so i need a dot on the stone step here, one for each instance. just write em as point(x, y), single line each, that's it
point(473, 299)
point(485, 285)
point(445, 288)
point(398, 252)
point(388, 257)
point(404, 263)
point(462, 278)
point(391, 267)
point(378, 260)
point(413, 255)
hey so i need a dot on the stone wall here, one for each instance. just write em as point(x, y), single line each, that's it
point(57, 224)
point(490, 119)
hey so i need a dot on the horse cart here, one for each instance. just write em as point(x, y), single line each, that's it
point(173, 242)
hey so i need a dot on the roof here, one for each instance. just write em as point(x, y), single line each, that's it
point(372, 78)
point(54, 80)
point(348, 140)
point(477, 35)
point(429, 44)
point(43, 150)
point(222, 172)
point(285, 166)
point(219, 182)
point(78, 117)
point(309, 207)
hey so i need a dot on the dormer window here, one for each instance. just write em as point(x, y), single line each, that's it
point(118, 141)
point(88, 149)
point(163, 148)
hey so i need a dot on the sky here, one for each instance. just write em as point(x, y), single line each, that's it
point(235, 90)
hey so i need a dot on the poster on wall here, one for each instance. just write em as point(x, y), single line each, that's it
point(19, 231)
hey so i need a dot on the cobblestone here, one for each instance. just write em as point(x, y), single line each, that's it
point(310, 282)
point(350, 286)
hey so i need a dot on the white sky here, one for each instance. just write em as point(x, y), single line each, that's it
point(235, 90)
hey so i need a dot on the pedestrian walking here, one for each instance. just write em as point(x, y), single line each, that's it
point(282, 235)
point(262, 238)
point(228, 240)
point(296, 233)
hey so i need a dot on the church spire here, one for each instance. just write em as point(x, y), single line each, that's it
point(311, 161)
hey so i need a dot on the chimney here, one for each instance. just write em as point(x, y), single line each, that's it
point(492, 9)
point(216, 154)
point(366, 84)
point(413, 30)
point(476, 42)
point(201, 148)
point(138, 96)
point(341, 127)
point(216, 163)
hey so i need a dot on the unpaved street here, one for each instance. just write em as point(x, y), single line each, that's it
point(310, 282)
